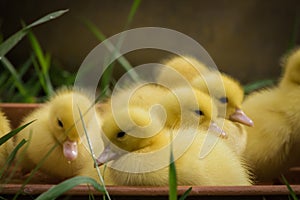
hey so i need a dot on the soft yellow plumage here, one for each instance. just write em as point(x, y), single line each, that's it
point(7, 147)
point(58, 126)
point(227, 92)
point(186, 67)
point(236, 135)
point(273, 143)
point(182, 104)
point(141, 157)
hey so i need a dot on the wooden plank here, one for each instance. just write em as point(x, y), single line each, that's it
point(34, 189)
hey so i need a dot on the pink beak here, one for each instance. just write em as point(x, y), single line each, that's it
point(241, 117)
point(70, 149)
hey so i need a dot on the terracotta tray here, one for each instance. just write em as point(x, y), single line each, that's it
point(15, 112)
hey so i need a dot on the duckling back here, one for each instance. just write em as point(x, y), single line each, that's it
point(291, 67)
point(273, 143)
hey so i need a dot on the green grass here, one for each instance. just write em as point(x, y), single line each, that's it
point(12, 155)
point(41, 64)
point(256, 85)
point(107, 77)
point(173, 178)
point(92, 154)
point(66, 185)
point(292, 193)
point(12, 41)
point(12, 79)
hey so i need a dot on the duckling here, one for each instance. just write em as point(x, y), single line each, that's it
point(181, 104)
point(227, 92)
point(273, 144)
point(6, 147)
point(58, 133)
point(141, 157)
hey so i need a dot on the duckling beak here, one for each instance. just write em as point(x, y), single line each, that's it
point(241, 117)
point(214, 127)
point(70, 149)
point(107, 155)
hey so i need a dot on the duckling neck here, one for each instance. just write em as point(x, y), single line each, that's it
point(157, 142)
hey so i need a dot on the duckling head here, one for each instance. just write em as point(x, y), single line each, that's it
point(228, 96)
point(191, 107)
point(65, 122)
point(129, 130)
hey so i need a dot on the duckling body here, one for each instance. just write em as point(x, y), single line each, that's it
point(236, 135)
point(146, 159)
point(273, 144)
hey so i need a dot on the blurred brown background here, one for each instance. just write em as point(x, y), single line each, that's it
point(245, 38)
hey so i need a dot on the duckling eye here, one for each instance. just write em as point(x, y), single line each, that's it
point(59, 122)
point(199, 112)
point(223, 100)
point(121, 134)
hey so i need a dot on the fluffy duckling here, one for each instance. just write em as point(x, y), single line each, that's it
point(6, 147)
point(227, 92)
point(273, 144)
point(182, 105)
point(58, 133)
point(141, 157)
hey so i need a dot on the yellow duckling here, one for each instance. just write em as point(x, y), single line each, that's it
point(182, 105)
point(58, 133)
point(141, 157)
point(6, 147)
point(227, 92)
point(273, 144)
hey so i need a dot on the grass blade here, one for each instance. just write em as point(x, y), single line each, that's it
point(133, 9)
point(64, 186)
point(92, 153)
point(292, 193)
point(185, 194)
point(172, 177)
point(44, 63)
point(115, 49)
point(37, 167)
point(47, 18)
point(17, 80)
point(13, 133)
point(11, 157)
point(101, 37)
point(9, 43)
point(38, 51)
point(258, 84)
